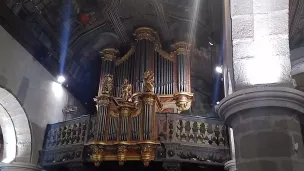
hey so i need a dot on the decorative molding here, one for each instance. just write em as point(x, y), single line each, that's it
point(108, 54)
point(181, 48)
point(164, 54)
point(126, 56)
point(260, 97)
point(193, 154)
point(17, 139)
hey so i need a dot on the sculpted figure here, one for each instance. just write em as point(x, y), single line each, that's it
point(107, 84)
point(126, 90)
point(149, 81)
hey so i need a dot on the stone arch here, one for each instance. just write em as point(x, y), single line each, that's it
point(15, 128)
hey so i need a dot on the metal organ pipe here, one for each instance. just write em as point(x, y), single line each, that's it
point(116, 120)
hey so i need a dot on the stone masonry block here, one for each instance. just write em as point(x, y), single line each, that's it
point(243, 49)
point(258, 165)
point(266, 144)
point(243, 70)
point(261, 25)
point(241, 7)
point(261, 6)
point(261, 124)
point(290, 125)
point(278, 22)
point(277, 5)
point(242, 27)
point(280, 46)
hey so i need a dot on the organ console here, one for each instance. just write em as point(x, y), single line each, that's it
point(133, 88)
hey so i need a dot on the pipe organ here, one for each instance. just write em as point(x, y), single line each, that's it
point(133, 88)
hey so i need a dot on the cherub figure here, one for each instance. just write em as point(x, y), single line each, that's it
point(126, 90)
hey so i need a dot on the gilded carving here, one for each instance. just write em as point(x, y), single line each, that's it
point(147, 153)
point(96, 156)
point(183, 101)
point(113, 110)
point(146, 33)
point(126, 91)
point(107, 84)
point(108, 54)
point(164, 54)
point(102, 100)
point(181, 48)
point(137, 106)
point(126, 56)
point(121, 154)
point(148, 100)
point(149, 81)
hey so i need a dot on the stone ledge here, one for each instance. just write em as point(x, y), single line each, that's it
point(260, 97)
point(16, 166)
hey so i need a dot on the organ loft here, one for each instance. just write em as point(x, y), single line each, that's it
point(145, 85)
point(142, 104)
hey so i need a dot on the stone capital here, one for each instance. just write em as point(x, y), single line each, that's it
point(257, 97)
point(18, 166)
point(230, 165)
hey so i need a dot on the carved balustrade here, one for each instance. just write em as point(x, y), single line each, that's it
point(192, 139)
point(64, 141)
point(184, 138)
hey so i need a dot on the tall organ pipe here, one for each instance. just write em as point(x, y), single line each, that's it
point(183, 68)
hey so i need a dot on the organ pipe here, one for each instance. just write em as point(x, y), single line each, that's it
point(128, 96)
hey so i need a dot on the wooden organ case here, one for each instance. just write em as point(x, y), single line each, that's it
point(133, 88)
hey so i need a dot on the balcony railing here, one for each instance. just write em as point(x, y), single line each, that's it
point(184, 138)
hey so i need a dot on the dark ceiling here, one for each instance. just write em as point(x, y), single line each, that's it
point(46, 27)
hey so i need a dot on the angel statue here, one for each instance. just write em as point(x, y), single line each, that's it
point(149, 81)
point(126, 90)
point(107, 84)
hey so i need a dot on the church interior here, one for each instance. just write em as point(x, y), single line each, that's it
point(168, 85)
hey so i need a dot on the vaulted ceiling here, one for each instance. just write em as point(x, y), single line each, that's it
point(84, 27)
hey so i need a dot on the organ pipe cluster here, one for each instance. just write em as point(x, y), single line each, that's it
point(130, 93)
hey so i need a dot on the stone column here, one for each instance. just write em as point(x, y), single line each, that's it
point(16, 166)
point(266, 128)
point(264, 110)
point(231, 164)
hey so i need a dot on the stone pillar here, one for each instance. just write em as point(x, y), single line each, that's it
point(16, 166)
point(231, 164)
point(266, 126)
point(264, 110)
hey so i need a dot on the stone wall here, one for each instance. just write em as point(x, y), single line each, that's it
point(34, 87)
